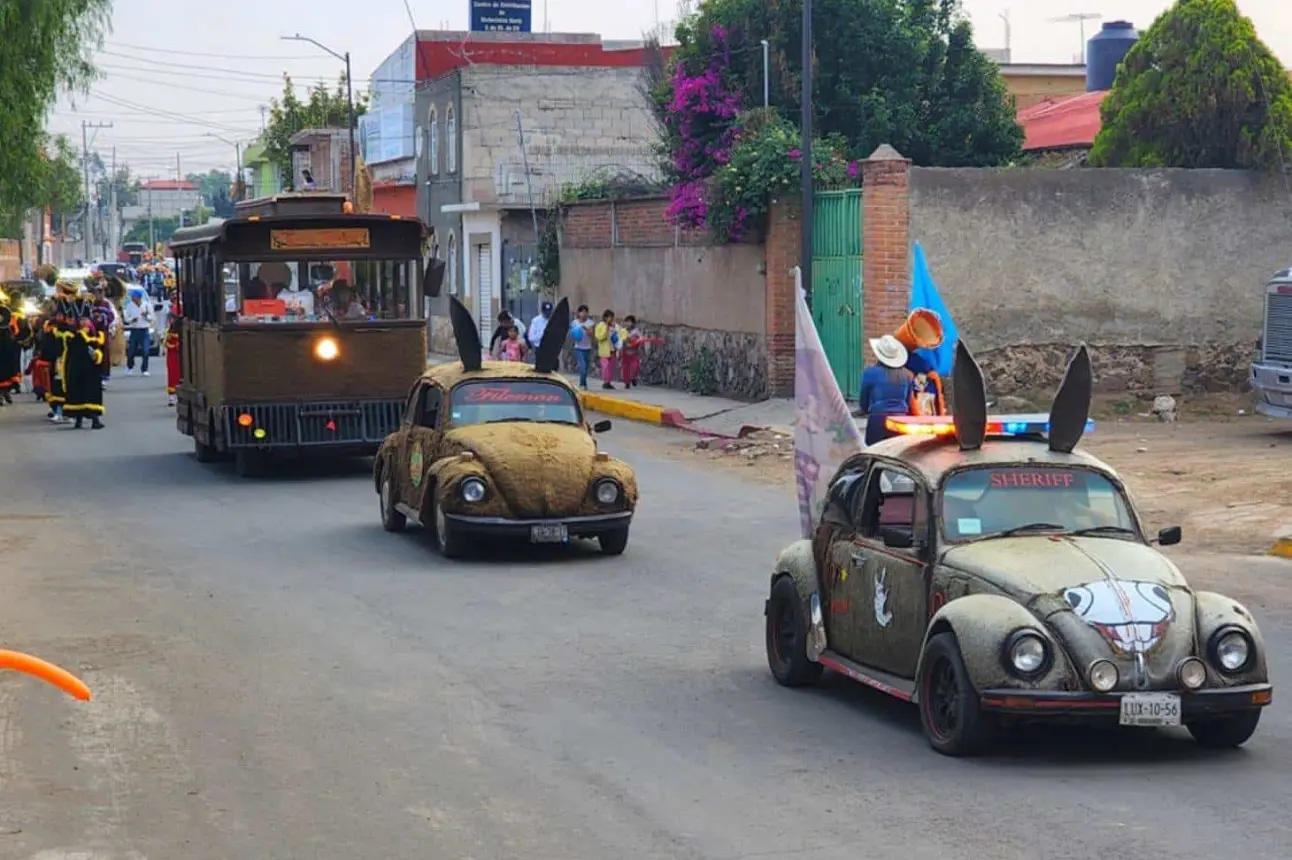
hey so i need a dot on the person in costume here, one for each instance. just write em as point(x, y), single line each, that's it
point(174, 337)
point(12, 336)
point(103, 315)
point(53, 346)
point(83, 355)
point(920, 335)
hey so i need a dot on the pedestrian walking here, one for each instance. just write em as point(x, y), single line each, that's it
point(174, 368)
point(609, 340)
point(538, 325)
point(581, 334)
point(83, 356)
point(138, 317)
point(630, 355)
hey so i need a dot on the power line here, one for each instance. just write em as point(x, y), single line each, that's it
point(155, 50)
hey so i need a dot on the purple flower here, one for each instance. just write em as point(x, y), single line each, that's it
point(854, 170)
point(796, 154)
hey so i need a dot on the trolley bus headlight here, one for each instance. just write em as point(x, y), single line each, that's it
point(326, 349)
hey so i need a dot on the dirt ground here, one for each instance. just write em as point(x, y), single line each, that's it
point(1221, 475)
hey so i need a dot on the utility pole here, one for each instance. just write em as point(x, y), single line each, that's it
point(805, 166)
point(85, 159)
point(179, 192)
point(152, 232)
point(114, 234)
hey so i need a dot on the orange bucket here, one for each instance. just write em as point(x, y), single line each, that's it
point(922, 330)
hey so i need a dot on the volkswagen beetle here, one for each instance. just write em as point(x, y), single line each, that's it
point(986, 570)
point(492, 449)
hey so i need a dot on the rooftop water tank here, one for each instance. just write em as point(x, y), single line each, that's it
point(1105, 50)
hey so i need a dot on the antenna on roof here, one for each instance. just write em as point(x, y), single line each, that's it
point(1080, 19)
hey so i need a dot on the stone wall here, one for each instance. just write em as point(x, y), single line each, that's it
point(1160, 271)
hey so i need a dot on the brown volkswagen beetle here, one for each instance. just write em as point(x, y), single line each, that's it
point(491, 449)
point(986, 570)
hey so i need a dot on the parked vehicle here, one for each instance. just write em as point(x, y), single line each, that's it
point(1272, 369)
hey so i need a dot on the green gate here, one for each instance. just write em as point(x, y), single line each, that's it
point(836, 283)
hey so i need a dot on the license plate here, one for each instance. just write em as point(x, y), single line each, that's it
point(548, 534)
point(1150, 709)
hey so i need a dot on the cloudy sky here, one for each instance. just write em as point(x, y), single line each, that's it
point(178, 76)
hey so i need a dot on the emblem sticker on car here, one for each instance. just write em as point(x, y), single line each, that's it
point(1132, 616)
point(415, 465)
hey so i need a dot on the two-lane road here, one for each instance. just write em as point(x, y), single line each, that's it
point(276, 677)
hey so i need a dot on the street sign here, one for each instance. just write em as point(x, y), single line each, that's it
point(501, 16)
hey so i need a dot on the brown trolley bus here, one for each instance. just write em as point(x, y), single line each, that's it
point(302, 328)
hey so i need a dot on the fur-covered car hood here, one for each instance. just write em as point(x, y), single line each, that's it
point(541, 469)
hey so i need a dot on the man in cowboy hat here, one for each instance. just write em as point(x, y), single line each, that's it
point(886, 387)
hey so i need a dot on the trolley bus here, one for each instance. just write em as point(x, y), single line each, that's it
point(302, 328)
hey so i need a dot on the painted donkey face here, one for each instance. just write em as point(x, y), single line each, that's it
point(1131, 616)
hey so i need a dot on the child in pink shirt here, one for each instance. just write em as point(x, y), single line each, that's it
point(512, 348)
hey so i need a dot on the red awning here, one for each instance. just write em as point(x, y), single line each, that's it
point(1064, 123)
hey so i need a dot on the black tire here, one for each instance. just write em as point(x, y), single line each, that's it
point(1227, 732)
point(447, 538)
point(615, 542)
point(391, 519)
point(204, 453)
point(950, 710)
point(787, 635)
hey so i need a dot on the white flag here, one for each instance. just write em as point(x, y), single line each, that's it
point(824, 433)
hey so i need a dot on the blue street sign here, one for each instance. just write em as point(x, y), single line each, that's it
point(501, 16)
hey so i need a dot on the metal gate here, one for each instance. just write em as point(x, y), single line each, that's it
point(836, 284)
point(484, 289)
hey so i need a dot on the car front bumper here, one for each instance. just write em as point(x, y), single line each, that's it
point(1097, 707)
point(576, 527)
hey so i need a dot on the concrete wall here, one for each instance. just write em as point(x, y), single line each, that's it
point(708, 303)
point(577, 122)
point(1161, 270)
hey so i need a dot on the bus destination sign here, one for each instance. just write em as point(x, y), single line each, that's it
point(342, 238)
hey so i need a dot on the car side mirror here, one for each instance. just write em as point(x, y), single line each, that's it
point(1170, 536)
point(433, 279)
point(601, 427)
point(896, 538)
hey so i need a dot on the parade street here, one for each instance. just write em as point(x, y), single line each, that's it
point(276, 677)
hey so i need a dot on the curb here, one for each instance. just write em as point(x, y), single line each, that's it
point(1282, 548)
point(632, 410)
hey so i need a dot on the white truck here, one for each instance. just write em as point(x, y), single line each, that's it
point(1272, 369)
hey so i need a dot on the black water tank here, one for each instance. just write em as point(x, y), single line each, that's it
point(1105, 50)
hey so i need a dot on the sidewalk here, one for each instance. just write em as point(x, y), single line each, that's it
point(668, 407)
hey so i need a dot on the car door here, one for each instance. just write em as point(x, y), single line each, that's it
point(887, 586)
point(397, 451)
point(424, 441)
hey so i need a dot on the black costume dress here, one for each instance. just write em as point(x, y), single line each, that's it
point(12, 334)
point(50, 349)
point(80, 369)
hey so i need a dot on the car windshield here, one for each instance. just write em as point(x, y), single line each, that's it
point(1007, 500)
point(491, 400)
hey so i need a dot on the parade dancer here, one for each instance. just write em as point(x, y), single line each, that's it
point(174, 336)
point(11, 335)
point(82, 357)
point(53, 348)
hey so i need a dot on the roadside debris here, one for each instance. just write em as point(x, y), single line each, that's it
point(753, 445)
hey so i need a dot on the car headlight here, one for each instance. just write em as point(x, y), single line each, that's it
point(1192, 673)
point(1028, 654)
point(30, 308)
point(473, 490)
point(607, 492)
point(1103, 675)
point(1231, 650)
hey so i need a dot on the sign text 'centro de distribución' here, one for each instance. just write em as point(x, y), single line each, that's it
point(502, 16)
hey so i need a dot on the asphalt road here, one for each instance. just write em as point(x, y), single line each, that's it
point(276, 677)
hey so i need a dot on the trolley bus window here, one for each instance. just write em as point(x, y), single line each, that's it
point(319, 290)
point(491, 400)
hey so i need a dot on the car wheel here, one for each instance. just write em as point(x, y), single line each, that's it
point(950, 710)
point(1226, 732)
point(615, 542)
point(787, 635)
point(391, 519)
point(451, 542)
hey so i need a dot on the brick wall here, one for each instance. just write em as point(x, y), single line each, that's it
point(886, 241)
point(578, 122)
point(782, 251)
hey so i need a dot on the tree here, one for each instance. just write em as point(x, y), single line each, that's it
point(47, 51)
point(162, 230)
point(212, 184)
point(56, 184)
point(901, 72)
point(1198, 90)
point(288, 115)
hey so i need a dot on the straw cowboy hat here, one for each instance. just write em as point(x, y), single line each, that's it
point(889, 350)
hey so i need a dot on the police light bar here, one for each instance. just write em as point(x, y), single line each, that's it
point(999, 426)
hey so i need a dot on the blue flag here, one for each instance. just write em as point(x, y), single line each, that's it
point(924, 294)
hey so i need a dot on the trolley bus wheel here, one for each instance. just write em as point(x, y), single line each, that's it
point(246, 463)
